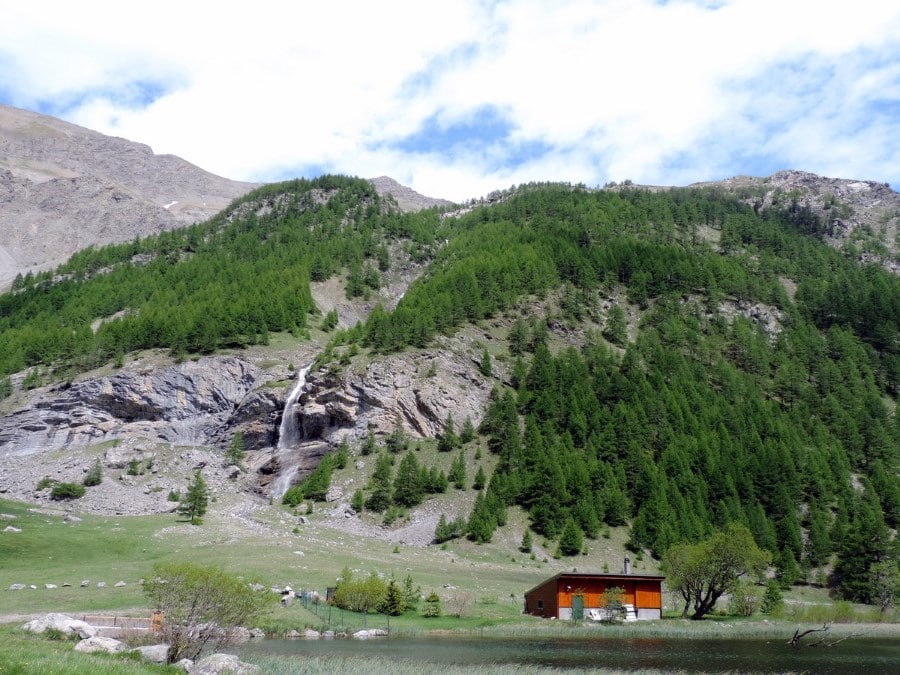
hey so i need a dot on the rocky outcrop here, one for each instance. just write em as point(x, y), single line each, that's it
point(185, 404)
point(415, 391)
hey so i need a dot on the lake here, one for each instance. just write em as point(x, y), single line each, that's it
point(852, 656)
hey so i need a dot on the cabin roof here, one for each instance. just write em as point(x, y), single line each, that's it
point(604, 577)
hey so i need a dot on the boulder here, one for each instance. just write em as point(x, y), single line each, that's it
point(17, 587)
point(153, 653)
point(10, 528)
point(61, 622)
point(310, 633)
point(101, 644)
point(217, 664)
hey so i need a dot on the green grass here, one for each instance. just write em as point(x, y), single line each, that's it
point(23, 653)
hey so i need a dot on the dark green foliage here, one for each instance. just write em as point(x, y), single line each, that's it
point(448, 439)
point(330, 322)
point(66, 491)
point(467, 435)
point(616, 326)
point(358, 501)
point(194, 503)
point(315, 486)
point(478, 483)
point(570, 541)
point(457, 474)
point(394, 603)
point(6, 388)
point(397, 441)
point(409, 485)
point(525, 546)
point(368, 446)
point(236, 449)
point(484, 366)
point(447, 530)
point(95, 475)
point(227, 282)
point(772, 600)
point(381, 484)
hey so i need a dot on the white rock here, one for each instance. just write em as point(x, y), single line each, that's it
point(17, 587)
point(153, 653)
point(101, 584)
point(60, 622)
point(120, 584)
point(101, 644)
point(50, 586)
point(215, 664)
point(10, 528)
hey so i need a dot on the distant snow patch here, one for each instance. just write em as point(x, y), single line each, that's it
point(170, 205)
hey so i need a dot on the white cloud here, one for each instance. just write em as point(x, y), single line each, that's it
point(655, 92)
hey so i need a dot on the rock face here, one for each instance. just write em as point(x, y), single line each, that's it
point(63, 188)
point(186, 404)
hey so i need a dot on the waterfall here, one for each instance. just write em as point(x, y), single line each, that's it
point(288, 438)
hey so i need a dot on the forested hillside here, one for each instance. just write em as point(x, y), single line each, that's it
point(720, 363)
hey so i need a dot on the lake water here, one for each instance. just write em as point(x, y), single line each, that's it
point(873, 656)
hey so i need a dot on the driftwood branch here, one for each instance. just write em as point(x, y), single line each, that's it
point(794, 641)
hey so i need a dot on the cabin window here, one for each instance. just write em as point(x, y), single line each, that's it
point(540, 604)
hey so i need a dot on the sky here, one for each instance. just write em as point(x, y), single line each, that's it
point(461, 97)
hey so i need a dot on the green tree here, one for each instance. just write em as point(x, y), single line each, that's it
point(571, 540)
point(411, 593)
point(484, 366)
point(236, 449)
point(409, 488)
point(772, 600)
point(195, 500)
point(457, 474)
point(381, 484)
point(432, 608)
point(394, 603)
point(525, 546)
point(616, 330)
point(448, 439)
point(358, 501)
point(478, 482)
point(702, 572)
point(95, 475)
point(201, 606)
point(467, 435)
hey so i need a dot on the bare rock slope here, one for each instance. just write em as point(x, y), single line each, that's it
point(64, 187)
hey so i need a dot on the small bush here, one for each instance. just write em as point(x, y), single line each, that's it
point(174, 496)
point(44, 483)
point(62, 491)
point(94, 476)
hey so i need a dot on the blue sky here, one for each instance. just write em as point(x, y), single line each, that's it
point(460, 98)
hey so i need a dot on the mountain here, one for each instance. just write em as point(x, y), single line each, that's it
point(662, 361)
point(64, 187)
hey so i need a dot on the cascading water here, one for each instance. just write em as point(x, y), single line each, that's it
point(288, 438)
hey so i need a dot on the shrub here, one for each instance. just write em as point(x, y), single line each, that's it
point(62, 491)
point(432, 606)
point(44, 483)
point(95, 475)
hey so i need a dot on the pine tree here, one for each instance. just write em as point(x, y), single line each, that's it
point(409, 488)
point(571, 540)
point(467, 435)
point(484, 367)
point(95, 475)
point(457, 474)
point(194, 502)
point(235, 452)
point(394, 603)
point(411, 594)
point(448, 440)
point(525, 546)
point(478, 483)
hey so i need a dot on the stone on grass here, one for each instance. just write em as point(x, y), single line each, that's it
point(153, 653)
point(10, 528)
point(120, 584)
point(61, 622)
point(17, 587)
point(216, 664)
point(101, 644)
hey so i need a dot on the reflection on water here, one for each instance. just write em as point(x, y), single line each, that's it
point(857, 655)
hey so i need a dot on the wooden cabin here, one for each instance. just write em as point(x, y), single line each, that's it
point(576, 595)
